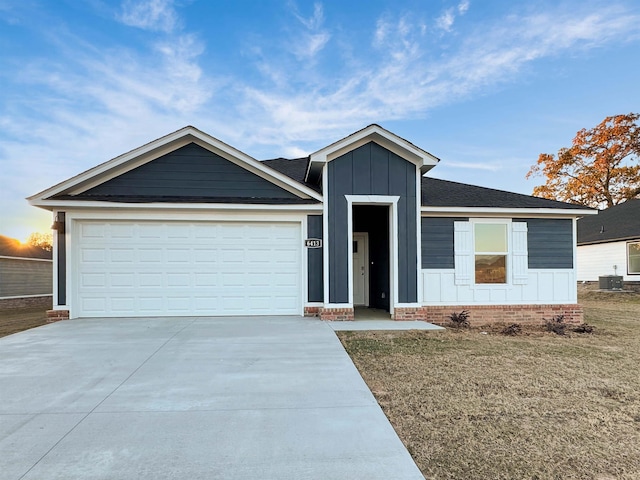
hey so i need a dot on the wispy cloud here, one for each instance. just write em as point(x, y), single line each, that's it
point(446, 19)
point(155, 15)
point(473, 166)
point(314, 38)
point(411, 76)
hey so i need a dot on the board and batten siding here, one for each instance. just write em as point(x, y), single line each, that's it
point(371, 170)
point(314, 259)
point(190, 171)
point(25, 277)
point(598, 260)
point(550, 276)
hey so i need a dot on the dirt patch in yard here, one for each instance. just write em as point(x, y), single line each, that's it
point(475, 403)
point(18, 319)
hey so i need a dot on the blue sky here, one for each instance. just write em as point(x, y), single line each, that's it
point(485, 85)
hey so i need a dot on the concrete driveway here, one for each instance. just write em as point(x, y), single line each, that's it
point(190, 398)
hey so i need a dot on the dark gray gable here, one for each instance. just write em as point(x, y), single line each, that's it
point(616, 223)
point(190, 172)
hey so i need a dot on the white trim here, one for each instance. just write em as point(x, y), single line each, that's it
point(338, 305)
point(6, 257)
point(392, 202)
point(27, 296)
point(162, 146)
point(574, 232)
point(627, 255)
point(69, 204)
point(314, 304)
point(304, 253)
point(517, 212)
point(409, 305)
point(418, 236)
point(69, 272)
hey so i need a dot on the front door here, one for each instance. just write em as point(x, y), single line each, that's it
point(360, 269)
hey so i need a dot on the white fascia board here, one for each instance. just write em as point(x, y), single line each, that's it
point(511, 212)
point(133, 159)
point(82, 204)
point(381, 136)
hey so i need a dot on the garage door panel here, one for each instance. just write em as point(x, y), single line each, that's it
point(176, 268)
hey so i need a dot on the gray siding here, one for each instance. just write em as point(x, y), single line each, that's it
point(437, 242)
point(550, 242)
point(25, 277)
point(371, 170)
point(190, 171)
point(314, 259)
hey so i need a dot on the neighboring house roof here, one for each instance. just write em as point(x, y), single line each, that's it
point(10, 247)
point(620, 222)
point(444, 193)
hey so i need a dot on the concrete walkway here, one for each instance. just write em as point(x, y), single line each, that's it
point(190, 398)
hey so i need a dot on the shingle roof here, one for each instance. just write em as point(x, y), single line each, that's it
point(444, 193)
point(295, 168)
point(441, 193)
point(10, 247)
point(620, 222)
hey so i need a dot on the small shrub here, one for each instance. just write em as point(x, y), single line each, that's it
point(460, 320)
point(513, 329)
point(556, 325)
point(583, 328)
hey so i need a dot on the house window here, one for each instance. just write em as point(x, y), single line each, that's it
point(491, 250)
point(633, 253)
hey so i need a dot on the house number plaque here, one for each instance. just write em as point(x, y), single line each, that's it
point(313, 243)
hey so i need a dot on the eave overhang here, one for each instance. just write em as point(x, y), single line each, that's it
point(503, 211)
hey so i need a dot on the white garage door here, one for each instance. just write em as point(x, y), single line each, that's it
point(178, 268)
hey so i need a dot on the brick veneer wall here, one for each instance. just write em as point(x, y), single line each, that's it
point(57, 315)
point(488, 314)
point(337, 314)
point(44, 301)
point(312, 311)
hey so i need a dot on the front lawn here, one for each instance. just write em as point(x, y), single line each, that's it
point(475, 404)
point(18, 319)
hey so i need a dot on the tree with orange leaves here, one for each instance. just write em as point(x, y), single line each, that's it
point(600, 169)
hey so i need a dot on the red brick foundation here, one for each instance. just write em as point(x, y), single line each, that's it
point(488, 314)
point(57, 315)
point(312, 311)
point(335, 314)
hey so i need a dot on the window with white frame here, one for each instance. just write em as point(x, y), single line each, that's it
point(491, 249)
point(633, 258)
point(490, 252)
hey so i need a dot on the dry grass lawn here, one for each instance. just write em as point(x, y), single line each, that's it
point(18, 319)
point(474, 405)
